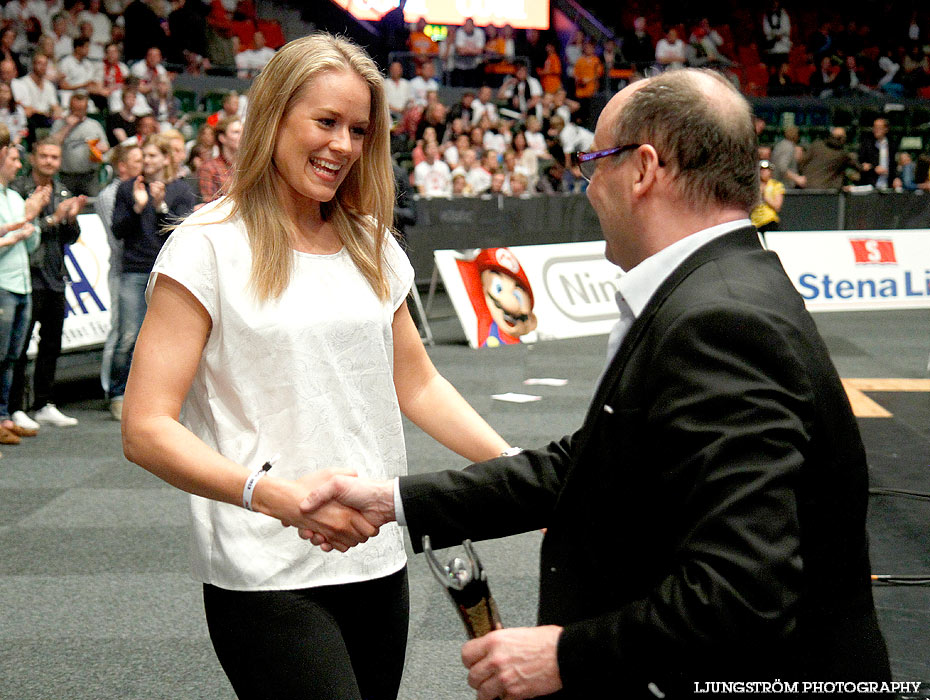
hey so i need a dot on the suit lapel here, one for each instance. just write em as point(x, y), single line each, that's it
point(744, 239)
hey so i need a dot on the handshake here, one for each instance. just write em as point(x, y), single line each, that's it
point(341, 510)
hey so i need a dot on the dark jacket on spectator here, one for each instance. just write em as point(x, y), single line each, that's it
point(868, 153)
point(825, 162)
point(144, 234)
point(47, 262)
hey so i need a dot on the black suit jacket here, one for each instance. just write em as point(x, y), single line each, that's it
point(707, 521)
point(868, 153)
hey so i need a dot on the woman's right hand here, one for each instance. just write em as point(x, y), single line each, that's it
point(342, 527)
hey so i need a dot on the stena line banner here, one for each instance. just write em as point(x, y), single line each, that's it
point(850, 270)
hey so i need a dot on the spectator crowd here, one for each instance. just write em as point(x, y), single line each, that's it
point(88, 101)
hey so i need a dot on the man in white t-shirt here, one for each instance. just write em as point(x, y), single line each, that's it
point(78, 72)
point(432, 177)
point(250, 62)
point(670, 51)
point(424, 82)
point(396, 90)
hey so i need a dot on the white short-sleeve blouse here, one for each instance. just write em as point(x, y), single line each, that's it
point(308, 376)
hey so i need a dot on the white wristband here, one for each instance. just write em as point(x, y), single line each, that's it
point(253, 479)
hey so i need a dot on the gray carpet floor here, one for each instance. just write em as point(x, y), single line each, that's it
point(95, 596)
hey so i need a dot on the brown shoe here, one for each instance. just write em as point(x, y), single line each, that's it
point(8, 437)
point(21, 431)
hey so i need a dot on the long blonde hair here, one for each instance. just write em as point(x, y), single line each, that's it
point(363, 207)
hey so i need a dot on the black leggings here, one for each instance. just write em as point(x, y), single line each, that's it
point(344, 642)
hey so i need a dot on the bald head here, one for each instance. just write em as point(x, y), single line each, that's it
point(701, 128)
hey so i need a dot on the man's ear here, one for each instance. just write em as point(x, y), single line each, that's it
point(646, 166)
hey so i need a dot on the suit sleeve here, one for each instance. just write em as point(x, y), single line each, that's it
point(724, 426)
point(496, 498)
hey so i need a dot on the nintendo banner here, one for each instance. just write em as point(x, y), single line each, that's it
point(849, 270)
point(522, 294)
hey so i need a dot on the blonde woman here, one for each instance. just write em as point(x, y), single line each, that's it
point(277, 325)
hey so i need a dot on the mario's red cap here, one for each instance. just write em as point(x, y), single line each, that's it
point(502, 260)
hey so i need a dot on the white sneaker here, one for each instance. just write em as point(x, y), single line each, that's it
point(49, 414)
point(24, 421)
point(116, 408)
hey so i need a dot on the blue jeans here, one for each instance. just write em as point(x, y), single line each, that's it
point(15, 313)
point(131, 313)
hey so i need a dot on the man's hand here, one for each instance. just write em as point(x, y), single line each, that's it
point(37, 200)
point(140, 195)
point(512, 664)
point(374, 500)
point(157, 192)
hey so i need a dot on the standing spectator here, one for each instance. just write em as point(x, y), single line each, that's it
point(12, 115)
point(143, 30)
point(432, 177)
point(214, 174)
point(58, 227)
point(83, 143)
point(100, 24)
point(187, 34)
point(550, 73)
point(396, 89)
point(469, 47)
point(776, 28)
point(127, 160)
point(877, 157)
point(18, 240)
point(826, 161)
point(772, 195)
point(143, 208)
point(424, 82)
point(588, 73)
point(670, 51)
point(637, 47)
point(37, 95)
point(249, 63)
point(784, 160)
point(522, 92)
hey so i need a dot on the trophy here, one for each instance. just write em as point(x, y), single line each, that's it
point(466, 583)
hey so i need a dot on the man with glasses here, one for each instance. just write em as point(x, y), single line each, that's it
point(707, 521)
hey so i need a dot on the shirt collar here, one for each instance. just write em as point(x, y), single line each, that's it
point(639, 284)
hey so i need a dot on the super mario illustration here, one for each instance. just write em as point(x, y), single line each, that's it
point(501, 296)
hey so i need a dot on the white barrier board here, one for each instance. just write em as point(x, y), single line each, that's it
point(850, 270)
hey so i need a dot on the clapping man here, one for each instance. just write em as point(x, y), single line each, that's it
point(57, 223)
